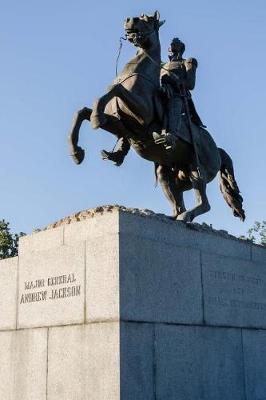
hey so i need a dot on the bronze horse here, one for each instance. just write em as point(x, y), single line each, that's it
point(132, 109)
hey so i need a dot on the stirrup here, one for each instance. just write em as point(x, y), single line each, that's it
point(167, 139)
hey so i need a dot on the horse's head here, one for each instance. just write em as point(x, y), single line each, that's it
point(140, 30)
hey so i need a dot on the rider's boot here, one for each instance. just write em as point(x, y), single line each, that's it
point(168, 139)
point(169, 136)
point(171, 140)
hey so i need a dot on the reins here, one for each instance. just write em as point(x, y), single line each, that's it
point(119, 53)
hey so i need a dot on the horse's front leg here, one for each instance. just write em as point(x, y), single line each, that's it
point(98, 118)
point(139, 105)
point(202, 204)
point(112, 125)
point(76, 151)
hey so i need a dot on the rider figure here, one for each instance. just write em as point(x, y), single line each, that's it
point(177, 73)
point(178, 77)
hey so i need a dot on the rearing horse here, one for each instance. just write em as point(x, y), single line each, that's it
point(132, 110)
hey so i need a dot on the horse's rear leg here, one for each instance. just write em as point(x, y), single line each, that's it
point(172, 190)
point(76, 151)
point(202, 203)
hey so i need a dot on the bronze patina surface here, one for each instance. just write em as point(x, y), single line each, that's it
point(149, 108)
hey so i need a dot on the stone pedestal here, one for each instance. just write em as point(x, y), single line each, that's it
point(128, 306)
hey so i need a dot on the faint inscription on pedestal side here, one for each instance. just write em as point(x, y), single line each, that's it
point(236, 290)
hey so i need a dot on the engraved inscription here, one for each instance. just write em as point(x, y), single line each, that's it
point(236, 290)
point(233, 277)
point(222, 302)
point(53, 288)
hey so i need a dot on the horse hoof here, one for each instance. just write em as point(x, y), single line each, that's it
point(185, 217)
point(105, 155)
point(116, 157)
point(78, 155)
point(172, 217)
point(97, 120)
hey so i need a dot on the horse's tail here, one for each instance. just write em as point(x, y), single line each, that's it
point(229, 187)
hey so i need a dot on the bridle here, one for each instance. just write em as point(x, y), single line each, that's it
point(138, 36)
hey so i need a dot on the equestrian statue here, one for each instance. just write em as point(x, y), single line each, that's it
point(149, 107)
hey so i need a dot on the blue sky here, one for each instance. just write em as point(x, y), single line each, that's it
point(58, 56)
